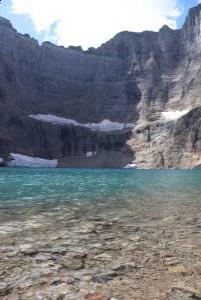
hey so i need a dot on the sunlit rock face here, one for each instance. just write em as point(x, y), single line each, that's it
point(151, 78)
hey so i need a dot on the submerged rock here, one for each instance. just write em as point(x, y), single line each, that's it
point(5, 289)
point(184, 293)
point(96, 296)
point(105, 277)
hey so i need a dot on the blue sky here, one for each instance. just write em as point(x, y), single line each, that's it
point(91, 22)
point(186, 4)
point(21, 22)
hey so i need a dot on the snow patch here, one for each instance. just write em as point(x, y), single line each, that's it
point(104, 126)
point(131, 166)
point(54, 120)
point(107, 126)
point(91, 154)
point(19, 160)
point(173, 115)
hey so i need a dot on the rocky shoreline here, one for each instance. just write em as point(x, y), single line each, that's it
point(102, 251)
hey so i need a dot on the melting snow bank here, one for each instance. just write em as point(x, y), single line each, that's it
point(19, 160)
point(173, 115)
point(131, 166)
point(104, 126)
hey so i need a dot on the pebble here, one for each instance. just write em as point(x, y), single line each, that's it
point(137, 258)
point(103, 278)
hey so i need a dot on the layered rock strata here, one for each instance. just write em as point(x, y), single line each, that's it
point(133, 78)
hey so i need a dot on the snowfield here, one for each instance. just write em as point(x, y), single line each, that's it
point(19, 160)
point(104, 126)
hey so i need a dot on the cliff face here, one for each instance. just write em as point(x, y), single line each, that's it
point(67, 82)
point(135, 78)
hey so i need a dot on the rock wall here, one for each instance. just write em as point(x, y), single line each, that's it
point(72, 146)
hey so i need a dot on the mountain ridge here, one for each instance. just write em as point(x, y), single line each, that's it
point(132, 78)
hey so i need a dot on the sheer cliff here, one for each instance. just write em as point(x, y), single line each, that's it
point(139, 93)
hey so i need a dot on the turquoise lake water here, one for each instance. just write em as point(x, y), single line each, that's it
point(25, 187)
point(48, 200)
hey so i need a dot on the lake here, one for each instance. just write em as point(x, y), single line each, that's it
point(80, 233)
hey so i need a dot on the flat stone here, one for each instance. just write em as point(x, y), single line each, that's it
point(185, 293)
point(172, 262)
point(96, 296)
point(121, 269)
point(5, 289)
point(180, 269)
point(73, 261)
point(105, 277)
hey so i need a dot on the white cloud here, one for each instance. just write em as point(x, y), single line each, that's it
point(92, 22)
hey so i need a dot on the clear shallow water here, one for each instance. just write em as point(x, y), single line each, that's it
point(50, 197)
point(25, 187)
point(149, 219)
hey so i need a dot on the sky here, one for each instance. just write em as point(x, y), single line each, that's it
point(89, 23)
